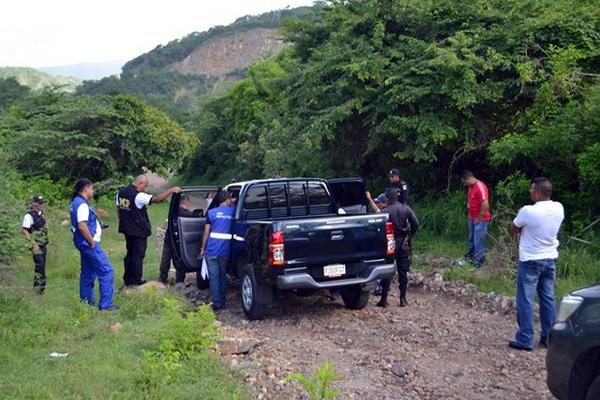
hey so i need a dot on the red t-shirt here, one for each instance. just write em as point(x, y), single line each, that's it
point(475, 196)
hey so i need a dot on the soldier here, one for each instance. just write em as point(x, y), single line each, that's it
point(34, 228)
point(400, 185)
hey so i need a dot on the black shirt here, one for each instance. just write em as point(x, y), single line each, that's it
point(403, 218)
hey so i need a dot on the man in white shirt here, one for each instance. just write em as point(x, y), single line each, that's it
point(538, 225)
point(34, 228)
point(135, 225)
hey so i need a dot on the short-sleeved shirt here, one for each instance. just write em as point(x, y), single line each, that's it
point(476, 194)
point(141, 200)
point(539, 225)
point(219, 239)
point(27, 221)
point(83, 214)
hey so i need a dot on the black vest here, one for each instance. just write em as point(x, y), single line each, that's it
point(132, 220)
point(38, 229)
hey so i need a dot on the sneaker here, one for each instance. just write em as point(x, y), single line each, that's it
point(514, 345)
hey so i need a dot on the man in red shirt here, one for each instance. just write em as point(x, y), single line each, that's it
point(478, 203)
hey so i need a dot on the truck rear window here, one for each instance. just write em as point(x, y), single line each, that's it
point(317, 194)
point(277, 196)
point(296, 194)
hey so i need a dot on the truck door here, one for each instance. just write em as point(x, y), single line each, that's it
point(349, 195)
point(185, 232)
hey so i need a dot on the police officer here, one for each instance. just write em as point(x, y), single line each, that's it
point(135, 225)
point(34, 228)
point(216, 244)
point(406, 224)
point(399, 184)
point(86, 237)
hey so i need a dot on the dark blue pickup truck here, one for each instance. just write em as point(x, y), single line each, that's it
point(300, 234)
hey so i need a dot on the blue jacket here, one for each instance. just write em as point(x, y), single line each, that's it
point(219, 239)
point(78, 238)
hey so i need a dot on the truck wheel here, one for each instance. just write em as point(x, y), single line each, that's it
point(252, 293)
point(354, 297)
point(593, 392)
point(200, 282)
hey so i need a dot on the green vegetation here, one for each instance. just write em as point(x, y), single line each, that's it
point(317, 386)
point(160, 351)
point(38, 80)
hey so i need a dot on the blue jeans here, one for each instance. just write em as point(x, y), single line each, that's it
point(95, 265)
point(535, 275)
point(477, 235)
point(217, 278)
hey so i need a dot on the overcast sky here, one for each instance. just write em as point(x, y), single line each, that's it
point(45, 33)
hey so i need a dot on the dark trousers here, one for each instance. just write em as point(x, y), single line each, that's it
point(39, 277)
point(403, 266)
point(134, 259)
point(165, 264)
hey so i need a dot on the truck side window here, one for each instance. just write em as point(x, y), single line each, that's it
point(296, 194)
point(317, 195)
point(256, 198)
point(277, 196)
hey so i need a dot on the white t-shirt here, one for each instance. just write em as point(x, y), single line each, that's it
point(83, 214)
point(539, 225)
point(27, 221)
point(141, 199)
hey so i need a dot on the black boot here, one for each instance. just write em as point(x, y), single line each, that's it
point(403, 302)
point(383, 302)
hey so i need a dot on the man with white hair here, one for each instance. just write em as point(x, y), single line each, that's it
point(135, 225)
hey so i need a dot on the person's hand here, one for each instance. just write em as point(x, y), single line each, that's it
point(175, 189)
point(35, 248)
point(93, 244)
point(201, 255)
point(476, 221)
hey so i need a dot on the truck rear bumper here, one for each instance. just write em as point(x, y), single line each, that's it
point(305, 281)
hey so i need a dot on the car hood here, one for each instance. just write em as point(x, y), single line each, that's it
point(592, 291)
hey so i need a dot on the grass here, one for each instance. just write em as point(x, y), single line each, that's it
point(577, 265)
point(102, 364)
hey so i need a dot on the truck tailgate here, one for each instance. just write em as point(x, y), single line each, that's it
point(331, 240)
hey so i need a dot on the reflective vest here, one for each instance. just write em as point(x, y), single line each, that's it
point(78, 238)
point(132, 220)
point(219, 239)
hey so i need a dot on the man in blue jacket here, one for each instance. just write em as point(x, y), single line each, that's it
point(86, 237)
point(216, 243)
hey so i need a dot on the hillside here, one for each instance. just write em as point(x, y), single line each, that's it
point(172, 77)
point(37, 80)
point(86, 70)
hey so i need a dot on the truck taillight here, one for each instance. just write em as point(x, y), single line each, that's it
point(276, 254)
point(391, 242)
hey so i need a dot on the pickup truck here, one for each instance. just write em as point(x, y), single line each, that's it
point(301, 234)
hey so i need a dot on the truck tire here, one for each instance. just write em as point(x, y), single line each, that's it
point(593, 392)
point(253, 295)
point(354, 297)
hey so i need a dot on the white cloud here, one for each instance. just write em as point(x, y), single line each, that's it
point(42, 33)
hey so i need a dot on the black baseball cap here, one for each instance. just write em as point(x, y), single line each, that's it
point(394, 172)
point(38, 200)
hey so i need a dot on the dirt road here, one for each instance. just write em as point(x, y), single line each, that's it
point(434, 349)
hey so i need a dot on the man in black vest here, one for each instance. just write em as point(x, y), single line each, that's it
point(135, 225)
point(34, 228)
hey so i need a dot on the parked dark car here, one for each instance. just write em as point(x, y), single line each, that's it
point(301, 234)
point(573, 357)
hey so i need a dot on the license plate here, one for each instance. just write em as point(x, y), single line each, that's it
point(334, 270)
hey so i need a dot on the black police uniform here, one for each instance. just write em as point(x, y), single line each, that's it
point(167, 253)
point(39, 236)
point(402, 188)
point(135, 225)
point(406, 224)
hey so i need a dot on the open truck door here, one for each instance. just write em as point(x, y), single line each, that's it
point(349, 194)
point(185, 233)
